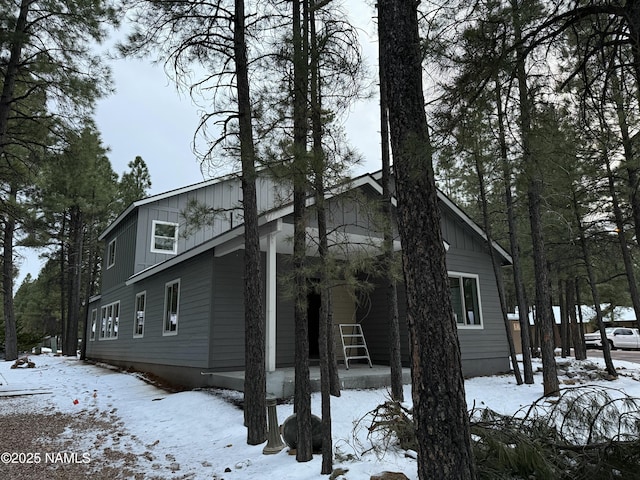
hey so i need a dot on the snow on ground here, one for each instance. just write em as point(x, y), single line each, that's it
point(199, 434)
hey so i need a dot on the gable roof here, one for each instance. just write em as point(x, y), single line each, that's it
point(466, 219)
point(162, 196)
point(268, 219)
point(267, 222)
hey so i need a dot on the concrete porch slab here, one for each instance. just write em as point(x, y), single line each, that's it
point(280, 383)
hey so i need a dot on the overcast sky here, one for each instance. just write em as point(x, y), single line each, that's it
point(147, 116)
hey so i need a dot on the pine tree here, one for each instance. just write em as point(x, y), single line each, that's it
point(439, 406)
point(47, 47)
point(214, 35)
point(135, 183)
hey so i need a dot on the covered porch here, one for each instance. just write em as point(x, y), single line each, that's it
point(276, 232)
point(280, 382)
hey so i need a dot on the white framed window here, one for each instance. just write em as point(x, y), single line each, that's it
point(164, 237)
point(111, 253)
point(465, 299)
point(171, 304)
point(109, 320)
point(138, 321)
point(94, 324)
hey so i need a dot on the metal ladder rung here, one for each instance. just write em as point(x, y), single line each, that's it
point(362, 344)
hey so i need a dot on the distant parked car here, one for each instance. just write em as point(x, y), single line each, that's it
point(39, 350)
point(618, 337)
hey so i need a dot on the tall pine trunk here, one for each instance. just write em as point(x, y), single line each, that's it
point(595, 294)
point(579, 348)
point(523, 309)
point(11, 70)
point(395, 358)
point(74, 268)
point(580, 318)
point(497, 268)
point(63, 281)
point(631, 153)
point(90, 281)
point(302, 390)
point(439, 405)
point(565, 341)
point(622, 240)
point(10, 328)
point(17, 40)
point(325, 330)
point(255, 387)
point(544, 312)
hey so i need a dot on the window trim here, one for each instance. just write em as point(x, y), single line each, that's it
point(476, 277)
point(106, 332)
point(111, 254)
point(135, 314)
point(153, 237)
point(93, 325)
point(165, 319)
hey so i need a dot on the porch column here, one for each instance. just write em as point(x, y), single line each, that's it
point(270, 303)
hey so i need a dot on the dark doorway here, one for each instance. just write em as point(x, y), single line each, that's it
point(313, 314)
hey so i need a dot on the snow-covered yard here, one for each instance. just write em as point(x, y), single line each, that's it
point(113, 420)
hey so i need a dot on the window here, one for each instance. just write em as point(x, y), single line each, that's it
point(109, 319)
point(94, 324)
point(111, 253)
point(171, 300)
point(164, 237)
point(138, 321)
point(465, 298)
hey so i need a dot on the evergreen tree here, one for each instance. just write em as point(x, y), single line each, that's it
point(68, 202)
point(37, 303)
point(46, 53)
point(26, 144)
point(439, 406)
point(221, 43)
point(395, 359)
point(134, 184)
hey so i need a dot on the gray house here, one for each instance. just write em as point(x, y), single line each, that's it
point(171, 300)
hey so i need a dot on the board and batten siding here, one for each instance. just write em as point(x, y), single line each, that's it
point(227, 339)
point(353, 212)
point(488, 344)
point(225, 196)
point(190, 346)
point(125, 237)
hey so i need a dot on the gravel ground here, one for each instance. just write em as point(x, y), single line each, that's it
point(61, 446)
point(38, 441)
point(44, 446)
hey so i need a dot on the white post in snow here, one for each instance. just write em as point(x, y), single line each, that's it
point(270, 304)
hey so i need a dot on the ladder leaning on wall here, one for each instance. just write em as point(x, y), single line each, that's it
point(354, 346)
